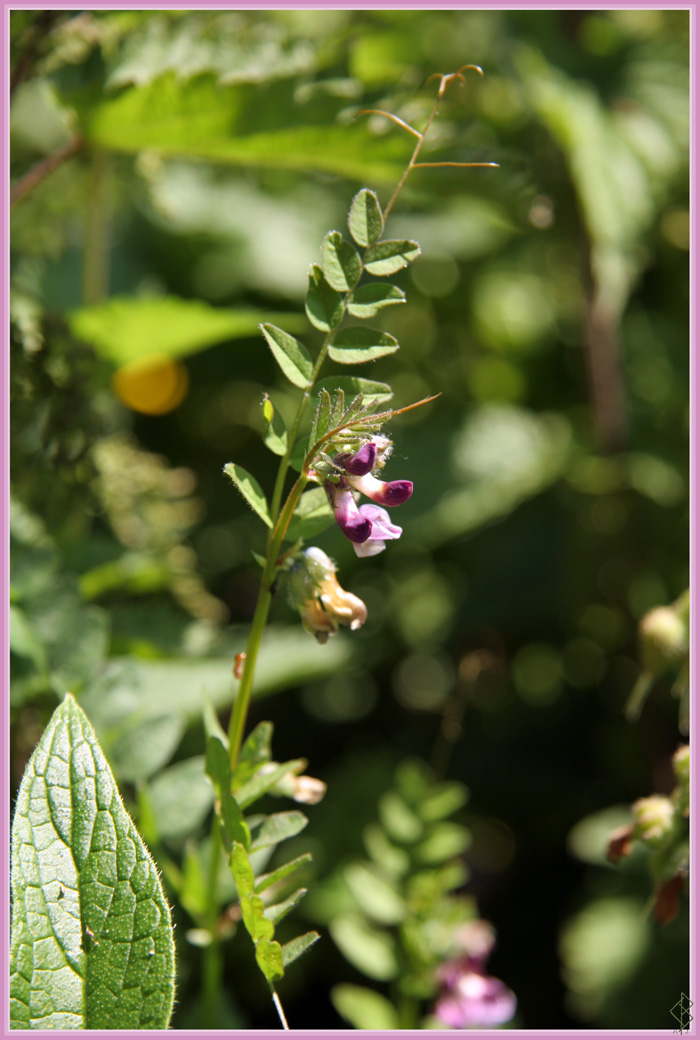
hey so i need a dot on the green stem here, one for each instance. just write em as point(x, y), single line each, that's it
point(262, 609)
point(212, 962)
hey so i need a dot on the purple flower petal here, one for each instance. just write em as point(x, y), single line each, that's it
point(363, 461)
point(382, 531)
point(351, 522)
point(392, 493)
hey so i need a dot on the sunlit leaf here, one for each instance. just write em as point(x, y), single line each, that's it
point(359, 344)
point(324, 306)
point(368, 300)
point(127, 328)
point(290, 355)
point(365, 219)
point(342, 266)
point(91, 944)
point(384, 258)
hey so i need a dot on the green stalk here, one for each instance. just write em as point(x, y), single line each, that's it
point(212, 962)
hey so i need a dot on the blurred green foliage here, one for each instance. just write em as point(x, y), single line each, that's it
point(550, 514)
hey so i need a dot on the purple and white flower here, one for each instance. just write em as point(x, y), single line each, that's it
point(367, 527)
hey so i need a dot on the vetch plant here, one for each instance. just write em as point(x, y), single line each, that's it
point(92, 943)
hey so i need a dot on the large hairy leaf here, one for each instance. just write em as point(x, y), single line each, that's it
point(92, 944)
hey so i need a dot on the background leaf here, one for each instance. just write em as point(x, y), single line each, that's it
point(126, 328)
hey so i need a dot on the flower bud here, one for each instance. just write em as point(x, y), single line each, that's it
point(322, 603)
point(653, 818)
point(664, 639)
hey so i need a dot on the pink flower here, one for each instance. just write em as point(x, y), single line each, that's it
point(382, 531)
point(471, 1000)
point(367, 527)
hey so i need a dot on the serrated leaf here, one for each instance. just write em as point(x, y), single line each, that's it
point(313, 515)
point(365, 218)
point(268, 954)
point(321, 418)
point(291, 355)
point(324, 306)
point(91, 943)
point(369, 949)
point(364, 1008)
point(277, 911)
point(262, 781)
point(368, 300)
point(385, 258)
point(373, 392)
point(341, 264)
point(266, 880)
point(357, 345)
point(296, 947)
point(250, 489)
point(278, 827)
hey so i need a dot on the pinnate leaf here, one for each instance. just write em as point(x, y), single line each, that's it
point(250, 489)
point(365, 218)
point(324, 306)
point(369, 299)
point(384, 258)
point(91, 944)
point(291, 355)
point(341, 264)
point(358, 344)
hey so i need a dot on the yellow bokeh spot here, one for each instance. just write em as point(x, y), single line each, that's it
point(152, 385)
